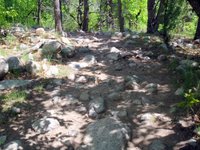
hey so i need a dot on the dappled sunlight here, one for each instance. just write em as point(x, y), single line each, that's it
point(103, 78)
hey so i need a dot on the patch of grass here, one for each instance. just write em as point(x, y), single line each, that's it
point(65, 71)
point(13, 98)
point(39, 88)
point(173, 64)
point(16, 73)
point(11, 40)
point(4, 52)
point(25, 57)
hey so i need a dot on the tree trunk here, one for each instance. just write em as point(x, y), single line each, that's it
point(196, 7)
point(85, 15)
point(151, 15)
point(197, 34)
point(79, 14)
point(120, 16)
point(39, 11)
point(57, 15)
point(111, 19)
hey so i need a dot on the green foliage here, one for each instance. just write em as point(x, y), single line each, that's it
point(197, 130)
point(190, 100)
point(13, 98)
point(2, 140)
point(177, 17)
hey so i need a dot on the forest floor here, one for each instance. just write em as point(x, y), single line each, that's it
point(147, 106)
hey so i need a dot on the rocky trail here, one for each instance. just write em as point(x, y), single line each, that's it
point(91, 91)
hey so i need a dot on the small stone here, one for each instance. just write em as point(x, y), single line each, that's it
point(151, 88)
point(189, 45)
point(132, 85)
point(57, 100)
point(23, 46)
point(114, 50)
point(113, 56)
point(89, 60)
point(98, 105)
point(40, 31)
point(45, 125)
point(81, 79)
point(13, 145)
point(162, 57)
point(72, 133)
point(16, 110)
point(92, 113)
point(4, 67)
point(71, 77)
point(84, 96)
point(81, 109)
point(157, 145)
point(115, 96)
point(52, 71)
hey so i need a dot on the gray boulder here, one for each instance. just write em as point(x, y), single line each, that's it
point(14, 63)
point(13, 145)
point(157, 145)
point(50, 48)
point(45, 124)
point(84, 50)
point(89, 60)
point(68, 52)
point(33, 67)
point(106, 134)
point(4, 67)
point(11, 84)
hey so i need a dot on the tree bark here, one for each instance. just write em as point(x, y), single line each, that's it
point(111, 19)
point(79, 14)
point(57, 16)
point(151, 16)
point(39, 11)
point(85, 15)
point(196, 7)
point(120, 16)
point(197, 34)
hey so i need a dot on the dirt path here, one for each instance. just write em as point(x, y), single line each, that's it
point(137, 89)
